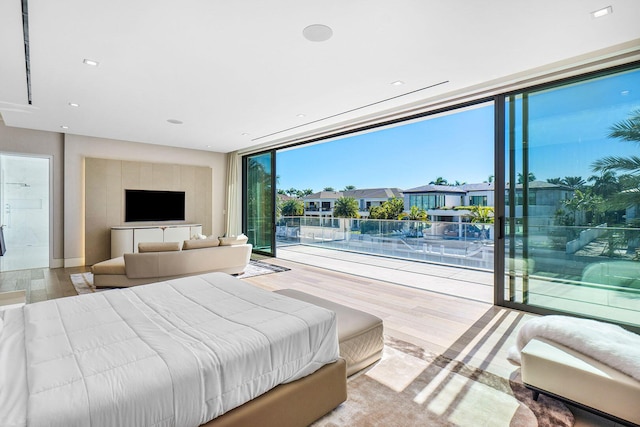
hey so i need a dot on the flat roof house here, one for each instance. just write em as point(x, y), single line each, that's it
point(322, 202)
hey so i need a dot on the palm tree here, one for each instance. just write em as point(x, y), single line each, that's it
point(574, 182)
point(556, 181)
point(531, 177)
point(482, 215)
point(328, 189)
point(626, 130)
point(292, 207)
point(346, 207)
point(349, 187)
point(291, 192)
point(439, 181)
point(415, 214)
point(605, 184)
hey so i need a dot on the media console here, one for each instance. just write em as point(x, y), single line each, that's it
point(125, 239)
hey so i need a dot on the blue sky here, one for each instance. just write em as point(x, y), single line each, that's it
point(455, 147)
point(568, 131)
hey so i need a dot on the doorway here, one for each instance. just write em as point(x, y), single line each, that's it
point(24, 211)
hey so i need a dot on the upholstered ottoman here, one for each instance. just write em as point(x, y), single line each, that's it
point(360, 334)
point(551, 368)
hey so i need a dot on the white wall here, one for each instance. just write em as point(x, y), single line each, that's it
point(76, 148)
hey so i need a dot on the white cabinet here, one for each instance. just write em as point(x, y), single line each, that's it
point(126, 239)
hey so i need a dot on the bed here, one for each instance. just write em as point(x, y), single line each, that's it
point(201, 350)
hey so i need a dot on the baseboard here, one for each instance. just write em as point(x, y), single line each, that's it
point(56, 263)
point(73, 262)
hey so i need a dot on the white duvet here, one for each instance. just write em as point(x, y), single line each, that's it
point(175, 353)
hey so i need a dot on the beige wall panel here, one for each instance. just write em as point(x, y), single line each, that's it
point(146, 175)
point(162, 177)
point(137, 161)
point(115, 201)
point(188, 181)
point(131, 175)
point(106, 181)
point(98, 242)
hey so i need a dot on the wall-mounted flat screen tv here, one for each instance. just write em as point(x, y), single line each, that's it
point(151, 205)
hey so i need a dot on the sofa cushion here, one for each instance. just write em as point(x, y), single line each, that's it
point(158, 246)
point(233, 240)
point(200, 243)
point(110, 266)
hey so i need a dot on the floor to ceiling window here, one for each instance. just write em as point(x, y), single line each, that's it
point(410, 182)
point(566, 195)
point(572, 186)
point(258, 201)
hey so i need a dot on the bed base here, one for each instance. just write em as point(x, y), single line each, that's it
point(296, 404)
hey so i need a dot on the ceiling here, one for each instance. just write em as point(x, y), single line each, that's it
point(238, 74)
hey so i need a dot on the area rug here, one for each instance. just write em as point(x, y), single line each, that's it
point(413, 387)
point(83, 282)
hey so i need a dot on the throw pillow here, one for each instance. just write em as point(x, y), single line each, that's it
point(158, 246)
point(198, 244)
point(233, 240)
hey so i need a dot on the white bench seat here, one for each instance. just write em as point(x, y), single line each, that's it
point(557, 370)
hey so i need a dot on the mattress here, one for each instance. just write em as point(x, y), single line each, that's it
point(180, 352)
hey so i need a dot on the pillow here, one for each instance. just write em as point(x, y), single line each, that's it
point(198, 237)
point(197, 244)
point(1, 324)
point(233, 240)
point(158, 246)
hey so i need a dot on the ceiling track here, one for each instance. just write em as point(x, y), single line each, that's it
point(27, 57)
point(351, 110)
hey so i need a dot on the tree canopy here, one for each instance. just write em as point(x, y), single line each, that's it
point(390, 209)
point(346, 207)
point(293, 207)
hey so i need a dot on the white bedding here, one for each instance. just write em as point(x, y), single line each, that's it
point(174, 353)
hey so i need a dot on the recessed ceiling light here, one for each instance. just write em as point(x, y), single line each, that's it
point(73, 104)
point(175, 121)
point(301, 116)
point(317, 33)
point(244, 134)
point(64, 127)
point(91, 62)
point(208, 146)
point(398, 83)
point(602, 12)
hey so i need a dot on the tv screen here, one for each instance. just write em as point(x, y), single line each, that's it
point(148, 205)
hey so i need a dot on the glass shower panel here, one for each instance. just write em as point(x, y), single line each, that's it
point(25, 211)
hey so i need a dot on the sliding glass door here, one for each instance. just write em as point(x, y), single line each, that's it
point(571, 201)
point(259, 201)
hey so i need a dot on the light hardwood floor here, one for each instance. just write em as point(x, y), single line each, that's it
point(472, 331)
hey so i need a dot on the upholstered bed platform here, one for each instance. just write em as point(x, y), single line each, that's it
point(181, 352)
point(360, 334)
point(295, 404)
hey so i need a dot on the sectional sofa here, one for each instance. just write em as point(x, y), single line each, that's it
point(168, 260)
